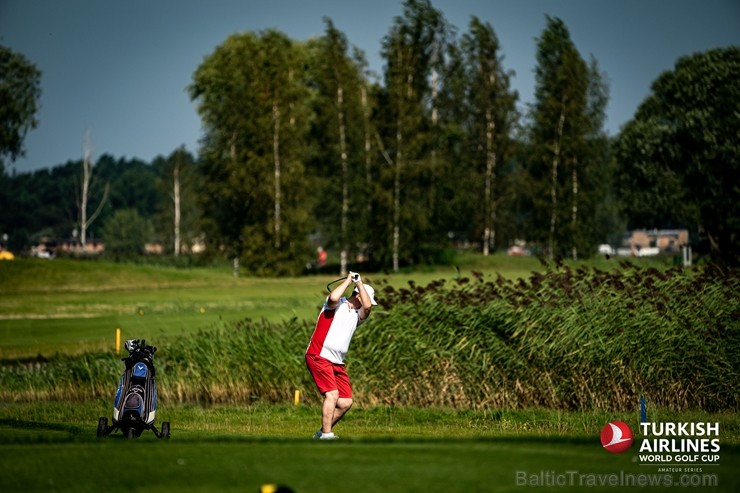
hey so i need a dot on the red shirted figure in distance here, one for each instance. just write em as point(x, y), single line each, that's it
point(321, 257)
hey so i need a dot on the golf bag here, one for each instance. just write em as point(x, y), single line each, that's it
point(135, 404)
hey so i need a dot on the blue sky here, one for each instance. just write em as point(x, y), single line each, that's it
point(120, 68)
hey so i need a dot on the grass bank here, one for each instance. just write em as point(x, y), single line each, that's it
point(74, 306)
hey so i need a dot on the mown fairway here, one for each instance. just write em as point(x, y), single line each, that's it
point(47, 441)
point(382, 450)
point(242, 465)
point(71, 306)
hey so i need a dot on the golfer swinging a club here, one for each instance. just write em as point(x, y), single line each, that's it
point(335, 326)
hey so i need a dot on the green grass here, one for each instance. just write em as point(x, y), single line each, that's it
point(73, 322)
point(73, 307)
point(52, 448)
point(244, 465)
point(285, 421)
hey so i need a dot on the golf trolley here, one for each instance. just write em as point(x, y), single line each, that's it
point(135, 404)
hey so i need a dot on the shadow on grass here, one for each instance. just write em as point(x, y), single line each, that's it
point(15, 431)
point(20, 431)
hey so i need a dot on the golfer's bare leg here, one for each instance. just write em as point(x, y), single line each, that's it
point(343, 405)
point(327, 410)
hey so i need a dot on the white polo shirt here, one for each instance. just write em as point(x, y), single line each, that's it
point(334, 331)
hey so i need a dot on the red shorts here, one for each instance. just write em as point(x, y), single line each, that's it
point(329, 376)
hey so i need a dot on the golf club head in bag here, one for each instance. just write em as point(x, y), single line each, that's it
point(135, 404)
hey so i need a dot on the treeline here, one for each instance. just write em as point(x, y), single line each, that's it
point(302, 144)
point(136, 199)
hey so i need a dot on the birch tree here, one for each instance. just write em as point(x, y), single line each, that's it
point(339, 78)
point(252, 100)
point(84, 194)
point(558, 135)
point(492, 113)
point(409, 49)
point(367, 139)
point(177, 213)
point(341, 105)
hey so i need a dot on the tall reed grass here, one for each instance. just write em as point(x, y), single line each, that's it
point(566, 339)
point(573, 339)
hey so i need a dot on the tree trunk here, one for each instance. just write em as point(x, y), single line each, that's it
point(176, 200)
point(86, 221)
point(554, 189)
point(489, 231)
point(276, 157)
point(397, 199)
point(397, 175)
point(434, 97)
point(85, 192)
point(238, 245)
point(432, 192)
point(345, 184)
point(574, 209)
point(366, 113)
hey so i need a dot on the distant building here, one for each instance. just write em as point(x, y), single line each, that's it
point(645, 242)
point(50, 247)
point(154, 248)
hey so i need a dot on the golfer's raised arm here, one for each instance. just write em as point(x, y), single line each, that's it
point(365, 299)
point(338, 292)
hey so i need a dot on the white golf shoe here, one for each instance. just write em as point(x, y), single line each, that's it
point(319, 435)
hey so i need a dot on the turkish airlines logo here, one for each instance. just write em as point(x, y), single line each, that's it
point(616, 437)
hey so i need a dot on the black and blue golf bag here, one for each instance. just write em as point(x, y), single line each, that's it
point(135, 405)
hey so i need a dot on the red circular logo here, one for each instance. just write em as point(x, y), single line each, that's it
point(616, 437)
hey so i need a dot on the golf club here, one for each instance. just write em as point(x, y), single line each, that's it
point(328, 286)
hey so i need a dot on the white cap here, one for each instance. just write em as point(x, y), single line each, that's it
point(370, 292)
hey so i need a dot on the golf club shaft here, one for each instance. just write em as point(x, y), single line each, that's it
point(328, 286)
point(355, 277)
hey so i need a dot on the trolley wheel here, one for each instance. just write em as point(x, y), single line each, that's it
point(166, 430)
point(130, 432)
point(102, 427)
